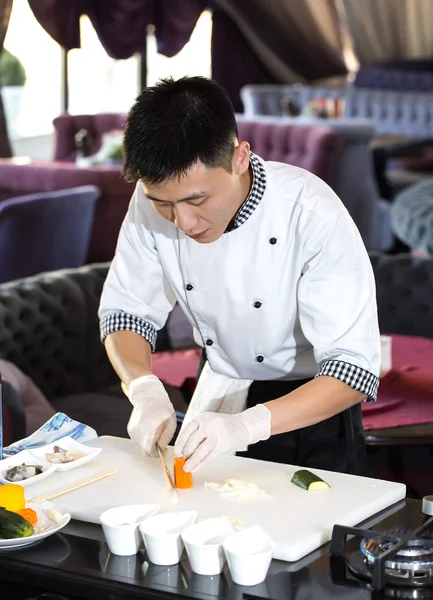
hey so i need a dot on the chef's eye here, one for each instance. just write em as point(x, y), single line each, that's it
point(197, 202)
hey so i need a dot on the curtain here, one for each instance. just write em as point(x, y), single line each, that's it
point(384, 30)
point(290, 38)
point(274, 42)
point(242, 67)
point(121, 25)
point(5, 13)
point(253, 41)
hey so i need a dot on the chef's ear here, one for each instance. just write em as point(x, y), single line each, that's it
point(241, 158)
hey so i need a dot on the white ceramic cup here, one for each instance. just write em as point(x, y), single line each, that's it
point(120, 526)
point(162, 536)
point(203, 543)
point(249, 553)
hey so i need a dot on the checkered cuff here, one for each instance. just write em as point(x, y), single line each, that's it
point(121, 321)
point(358, 379)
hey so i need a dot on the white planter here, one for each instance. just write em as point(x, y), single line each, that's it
point(12, 96)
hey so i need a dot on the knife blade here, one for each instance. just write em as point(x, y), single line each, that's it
point(167, 472)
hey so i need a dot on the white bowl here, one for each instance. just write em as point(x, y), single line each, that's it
point(68, 443)
point(162, 536)
point(203, 543)
point(249, 554)
point(26, 457)
point(120, 526)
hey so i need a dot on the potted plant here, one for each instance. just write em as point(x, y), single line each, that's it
point(12, 80)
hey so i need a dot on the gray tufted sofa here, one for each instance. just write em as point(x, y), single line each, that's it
point(404, 287)
point(394, 112)
point(49, 329)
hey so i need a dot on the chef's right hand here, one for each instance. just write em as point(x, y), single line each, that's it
point(153, 419)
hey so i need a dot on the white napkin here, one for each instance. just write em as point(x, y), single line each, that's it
point(60, 425)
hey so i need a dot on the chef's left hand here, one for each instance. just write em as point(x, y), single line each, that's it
point(211, 434)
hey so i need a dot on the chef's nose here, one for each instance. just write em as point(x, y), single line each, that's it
point(184, 217)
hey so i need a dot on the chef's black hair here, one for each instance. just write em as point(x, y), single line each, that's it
point(173, 125)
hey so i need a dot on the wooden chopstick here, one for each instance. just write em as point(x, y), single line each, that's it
point(74, 487)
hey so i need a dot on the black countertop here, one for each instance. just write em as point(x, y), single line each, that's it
point(76, 564)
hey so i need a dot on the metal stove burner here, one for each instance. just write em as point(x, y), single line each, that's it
point(396, 587)
point(411, 567)
point(415, 560)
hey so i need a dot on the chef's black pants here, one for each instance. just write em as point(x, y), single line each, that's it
point(336, 444)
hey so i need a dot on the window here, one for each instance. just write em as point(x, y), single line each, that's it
point(32, 111)
point(97, 83)
point(193, 59)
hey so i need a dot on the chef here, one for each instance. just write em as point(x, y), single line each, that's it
point(270, 271)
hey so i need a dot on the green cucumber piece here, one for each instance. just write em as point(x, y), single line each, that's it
point(13, 525)
point(308, 481)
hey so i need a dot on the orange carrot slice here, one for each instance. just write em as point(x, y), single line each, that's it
point(29, 515)
point(182, 479)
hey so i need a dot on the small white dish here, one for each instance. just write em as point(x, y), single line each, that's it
point(68, 443)
point(45, 527)
point(162, 536)
point(204, 545)
point(249, 553)
point(121, 527)
point(26, 457)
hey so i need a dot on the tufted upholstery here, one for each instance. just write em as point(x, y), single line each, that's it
point(312, 148)
point(49, 329)
point(412, 216)
point(394, 112)
point(404, 292)
point(267, 99)
point(45, 231)
point(66, 126)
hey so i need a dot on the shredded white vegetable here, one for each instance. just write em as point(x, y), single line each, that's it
point(236, 488)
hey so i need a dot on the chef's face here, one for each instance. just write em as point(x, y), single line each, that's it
point(202, 203)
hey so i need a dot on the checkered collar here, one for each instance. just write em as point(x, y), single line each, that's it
point(256, 193)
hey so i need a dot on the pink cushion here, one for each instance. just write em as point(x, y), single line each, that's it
point(37, 408)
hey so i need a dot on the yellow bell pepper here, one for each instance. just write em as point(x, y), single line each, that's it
point(12, 497)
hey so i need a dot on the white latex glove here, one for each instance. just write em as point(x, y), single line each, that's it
point(153, 419)
point(211, 434)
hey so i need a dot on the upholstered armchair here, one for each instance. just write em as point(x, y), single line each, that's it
point(46, 231)
point(67, 126)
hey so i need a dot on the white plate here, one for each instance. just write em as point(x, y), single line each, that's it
point(25, 456)
point(49, 527)
point(68, 443)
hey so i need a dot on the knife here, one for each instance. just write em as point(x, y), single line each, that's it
point(167, 472)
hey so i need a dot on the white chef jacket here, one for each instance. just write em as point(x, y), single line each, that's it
point(288, 293)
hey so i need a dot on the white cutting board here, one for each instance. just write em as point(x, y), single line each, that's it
point(298, 521)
